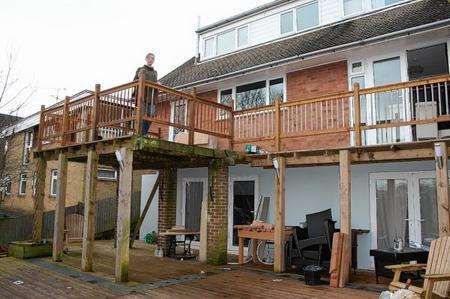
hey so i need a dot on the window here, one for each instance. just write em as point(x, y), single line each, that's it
point(27, 146)
point(383, 3)
point(426, 62)
point(251, 95)
point(22, 184)
point(352, 7)
point(276, 89)
point(308, 16)
point(225, 42)
point(54, 182)
point(287, 22)
point(225, 96)
point(107, 174)
point(357, 68)
point(209, 47)
point(7, 185)
point(242, 36)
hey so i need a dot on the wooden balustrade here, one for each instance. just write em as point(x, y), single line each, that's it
point(383, 114)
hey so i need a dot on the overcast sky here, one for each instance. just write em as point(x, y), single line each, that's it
point(66, 46)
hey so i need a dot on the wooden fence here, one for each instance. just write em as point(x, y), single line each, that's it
point(20, 228)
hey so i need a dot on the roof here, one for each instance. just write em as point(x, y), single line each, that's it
point(244, 14)
point(415, 16)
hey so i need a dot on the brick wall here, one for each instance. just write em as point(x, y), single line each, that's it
point(217, 214)
point(167, 204)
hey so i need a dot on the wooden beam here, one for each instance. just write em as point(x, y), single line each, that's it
point(443, 202)
point(345, 191)
point(58, 233)
point(124, 215)
point(90, 194)
point(278, 124)
point(144, 212)
point(39, 193)
point(203, 250)
point(280, 181)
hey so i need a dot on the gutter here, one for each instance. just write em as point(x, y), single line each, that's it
point(405, 32)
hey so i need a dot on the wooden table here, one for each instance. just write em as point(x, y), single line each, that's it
point(245, 232)
point(172, 234)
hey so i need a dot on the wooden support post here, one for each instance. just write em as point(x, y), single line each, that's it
point(144, 212)
point(443, 202)
point(140, 102)
point(95, 113)
point(345, 210)
point(191, 118)
point(58, 233)
point(41, 128)
point(278, 124)
point(231, 125)
point(90, 187)
point(203, 250)
point(39, 193)
point(124, 215)
point(357, 119)
point(65, 122)
point(280, 179)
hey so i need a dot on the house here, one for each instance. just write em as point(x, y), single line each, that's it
point(344, 104)
point(19, 171)
point(303, 50)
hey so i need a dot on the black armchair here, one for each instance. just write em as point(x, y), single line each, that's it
point(320, 235)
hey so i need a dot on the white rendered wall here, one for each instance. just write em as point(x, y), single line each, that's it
point(150, 222)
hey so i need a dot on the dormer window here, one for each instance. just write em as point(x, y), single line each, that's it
point(225, 42)
point(382, 3)
point(287, 22)
point(242, 36)
point(209, 47)
point(352, 7)
point(308, 16)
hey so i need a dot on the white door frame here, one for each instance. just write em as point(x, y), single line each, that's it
point(231, 181)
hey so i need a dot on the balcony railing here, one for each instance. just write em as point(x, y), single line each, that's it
point(407, 111)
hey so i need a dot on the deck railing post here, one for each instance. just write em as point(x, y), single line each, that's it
point(191, 117)
point(139, 102)
point(65, 122)
point(278, 124)
point(357, 108)
point(95, 113)
point(231, 131)
point(41, 127)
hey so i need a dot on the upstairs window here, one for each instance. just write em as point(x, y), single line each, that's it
point(382, 3)
point(22, 184)
point(107, 174)
point(209, 47)
point(287, 22)
point(352, 7)
point(242, 36)
point(27, 146)
point(54, 182)
point(225, 42)
point(308, 16)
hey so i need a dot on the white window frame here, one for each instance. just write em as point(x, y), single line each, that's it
point(237, 36)
point(294, 22)
point(53, 177)
point(234, 40)
point(296, 29)
point(22, 183)
point(104, 178)
point(27, 147)
point(363, 9)
point(213, 38)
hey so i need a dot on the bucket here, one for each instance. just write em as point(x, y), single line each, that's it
point(312, 274)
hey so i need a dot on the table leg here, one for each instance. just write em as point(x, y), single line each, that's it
point(254, 250)
point(241, 251)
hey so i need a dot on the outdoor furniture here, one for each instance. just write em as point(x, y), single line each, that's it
point(187, 237)
point(320, 228)
point(247, 232)
point(385, 257)
point(437, 275)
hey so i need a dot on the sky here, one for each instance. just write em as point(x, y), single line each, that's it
point(62, 47)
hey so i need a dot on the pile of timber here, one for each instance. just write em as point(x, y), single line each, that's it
point(340, 257)
point(258, 226)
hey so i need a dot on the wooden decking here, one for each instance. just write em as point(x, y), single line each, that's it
point(152, 277)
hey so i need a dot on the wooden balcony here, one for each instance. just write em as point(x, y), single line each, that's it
point(404, 112)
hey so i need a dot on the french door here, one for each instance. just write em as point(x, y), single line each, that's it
point(403, 205)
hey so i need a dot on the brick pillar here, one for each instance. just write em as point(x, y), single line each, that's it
point(167, 204)
point(217, 240)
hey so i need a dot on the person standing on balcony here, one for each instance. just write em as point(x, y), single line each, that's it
point(150, 94)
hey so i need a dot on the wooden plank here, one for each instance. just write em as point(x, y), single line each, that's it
point(277, 125)
point(123, 216)
point(345, 191)
point(58, 233)
point(202, 254)
point(357, 108)
point(41, 127)
point(144, 212)
point(279, 216)
point(139, 102)
point(336, 256)
point(345, 261)
point(95, 113)
point(65, 123)
point(38, 216)
point(442, 188)
point(90, 197)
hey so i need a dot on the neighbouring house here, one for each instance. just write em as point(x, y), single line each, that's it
point(19, 172)
point(300, 51)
